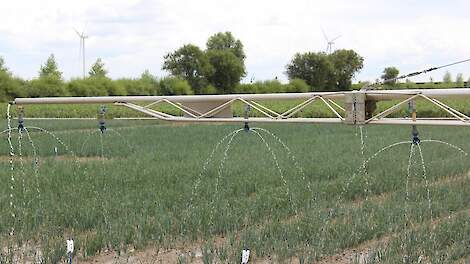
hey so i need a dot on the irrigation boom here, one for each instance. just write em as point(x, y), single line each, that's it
point(347, 107)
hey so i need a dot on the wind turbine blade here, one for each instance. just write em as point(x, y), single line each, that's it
point(76, 31)
point(80, 50)
point(324, 35)
point(339, 36)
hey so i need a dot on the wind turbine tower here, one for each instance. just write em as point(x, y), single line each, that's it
point(329, 42)
point(81, 52)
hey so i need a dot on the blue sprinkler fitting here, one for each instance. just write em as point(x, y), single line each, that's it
point(246, 127)
point(101, 119)
point(20, 119)
point(415, 136)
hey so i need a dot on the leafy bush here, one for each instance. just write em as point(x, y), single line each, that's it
point(11, 87)
point(269, 86)
point(210, 89)
point(139, 86)
point(46, 86)
point(245, 88)
point(297, 86)
point(95, 86)
point(174, 86)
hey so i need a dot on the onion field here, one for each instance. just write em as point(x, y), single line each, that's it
point(151, 192)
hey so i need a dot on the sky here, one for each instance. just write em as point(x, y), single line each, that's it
point(134, 35)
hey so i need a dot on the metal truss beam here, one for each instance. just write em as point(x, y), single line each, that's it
point(353, 109)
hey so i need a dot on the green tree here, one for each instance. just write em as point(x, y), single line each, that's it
point(190, 63)
point(324, 71)
point(389, 75)
point(447, 77)
point(50, 81)
point(50, 69)
point(150, 82)
point(10, 87)
point(468, 83)
point(459, 79)
point(228, 70)
point(224, 41)
point(313, 67)
point(97, 69)
point(3, 68)
point(346, 64)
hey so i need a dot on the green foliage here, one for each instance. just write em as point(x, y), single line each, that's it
point(459, 79)
point(209, 89)
point(150, 82)
point(97, 69)
point(315, 68)
point(221, 66)
point(138, 86)
point(245, 88)
point(390, 73)
point(447, 77)
point(95, 86)
point(10, 87)
point(189, 63)
point(297, 86)
point(50, 70)
point(468, 83)
point(273, 86)
point(346, 64)
point(226, 41)
point(46, 86)
point(325, 72)
point(229, 70)
point(269, 86)
point(84, 87)
point(3, 68)
point(174, 86)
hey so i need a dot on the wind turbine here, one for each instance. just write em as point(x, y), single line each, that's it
point(329, 42)
point(82, 37)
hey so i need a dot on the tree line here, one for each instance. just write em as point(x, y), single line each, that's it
point(217, 68)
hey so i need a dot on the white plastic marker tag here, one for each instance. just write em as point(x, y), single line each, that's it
point(69, 246)
point(245, 256)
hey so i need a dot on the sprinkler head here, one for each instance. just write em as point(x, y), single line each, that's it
point(20, 126)
point(246, 127)
point(101, 119)
point(415, 136)
point(20, 119)
point(102, 126)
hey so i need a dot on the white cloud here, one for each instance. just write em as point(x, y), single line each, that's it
point(133, 35)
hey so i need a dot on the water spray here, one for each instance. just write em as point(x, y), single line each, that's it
point(20, 119)
point(101, 118)
point(246, 127)
point(69, 250)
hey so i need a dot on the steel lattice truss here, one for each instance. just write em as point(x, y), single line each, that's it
point(349, 107)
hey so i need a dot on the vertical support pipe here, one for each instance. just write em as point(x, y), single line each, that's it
point(20, 118)
point(246, 115)
point(414, 131)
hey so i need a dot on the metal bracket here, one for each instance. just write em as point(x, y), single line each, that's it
point(101, 119)
point(355, 108)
